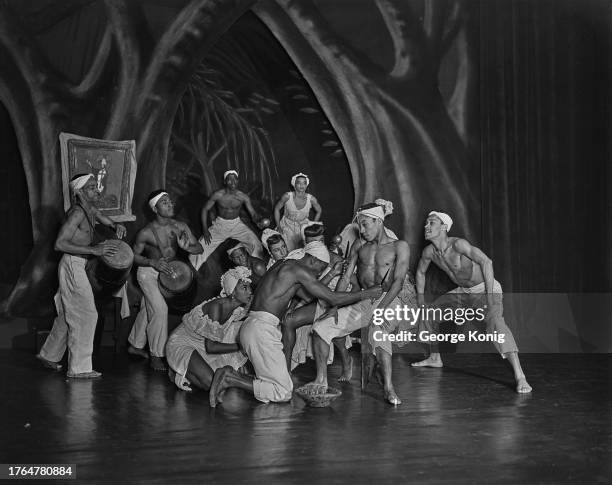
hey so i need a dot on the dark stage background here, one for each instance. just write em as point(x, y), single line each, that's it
point(538, 143)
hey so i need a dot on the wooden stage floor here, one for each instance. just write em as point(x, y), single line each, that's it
point(459, 424)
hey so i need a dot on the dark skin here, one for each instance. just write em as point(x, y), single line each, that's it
point(273, 294)
point(228, 202)
point(76, 234)
point(199, 372)
point(173, 234)
point(240, 257)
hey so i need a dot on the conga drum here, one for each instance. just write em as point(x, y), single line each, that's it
point(108, 274)
point(179, 289)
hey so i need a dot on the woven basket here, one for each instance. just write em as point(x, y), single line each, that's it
point(318, 400)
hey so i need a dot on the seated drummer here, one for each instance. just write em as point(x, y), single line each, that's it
point(77, 317)
point(156, 244)
point(239, 256)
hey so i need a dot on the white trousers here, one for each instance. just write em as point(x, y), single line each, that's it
point(75, 325)
point(151, 323)
point(222, 229)
point(260, 337)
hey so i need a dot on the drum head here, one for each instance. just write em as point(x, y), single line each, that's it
point(181, 280)
point(124, 257)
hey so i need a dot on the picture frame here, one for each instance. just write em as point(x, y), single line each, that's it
point(112, 163)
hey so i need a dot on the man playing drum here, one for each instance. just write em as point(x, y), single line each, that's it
point(75, 324)
point(156, 244)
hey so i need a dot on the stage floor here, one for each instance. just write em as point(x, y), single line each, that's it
point(460, 424)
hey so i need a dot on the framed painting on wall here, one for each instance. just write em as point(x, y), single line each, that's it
point(112, 163)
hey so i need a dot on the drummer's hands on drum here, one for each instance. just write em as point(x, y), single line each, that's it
point(120, 230)
point(106, 248)
point(162, 266)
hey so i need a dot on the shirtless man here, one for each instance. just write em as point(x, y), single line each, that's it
point(380, 260)
point(260, 335)
point(155, 245)
point(75, 324)
point(229, 201)
point(239, 256)
point(472, 271)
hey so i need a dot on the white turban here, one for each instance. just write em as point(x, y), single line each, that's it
point(445, 218)
point(237, 246)
point(267, 234)
point(318, 250)
point(230, 279)
point(374, 212)
point(229, 172)
point(387, 205)
point(154, 200)
point(296, 254)
point(295, 177)
point(79, 182)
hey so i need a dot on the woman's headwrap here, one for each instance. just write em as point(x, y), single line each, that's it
point(229, 172)
point(386, 204)
point(154, 200)
point(230, 279)
point(445, 218)
point(296, 176)
point(267, 234)
point(238, 246)
point(79, 182)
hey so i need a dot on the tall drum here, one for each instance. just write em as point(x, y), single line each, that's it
point(180, 288)
point(108, 274)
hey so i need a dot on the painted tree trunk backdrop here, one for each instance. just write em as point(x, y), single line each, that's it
point(141, 82)
point(403, 142)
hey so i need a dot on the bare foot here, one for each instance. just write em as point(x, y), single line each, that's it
point(218, 386)
point(391, 397)
point(522, 386)
point(429, 362)
point(347, 371)
point(56, 366)
point(139, 352)
point(85, 375)
point(158, 364)
point(318, 386)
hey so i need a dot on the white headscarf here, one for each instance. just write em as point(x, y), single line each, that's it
point(230, 279)
point(237, 246)
point(229, 172)
point(79, 182)
point(319, 250)
point(310, 223)
point(295, 177)
point(374, 212)
point(445, 218)
point(387, 205)
point(154, 200)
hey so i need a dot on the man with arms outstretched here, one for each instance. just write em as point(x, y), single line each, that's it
point(472, 271)
point(228, 201)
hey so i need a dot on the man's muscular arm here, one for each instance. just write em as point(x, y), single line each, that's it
point(187, 241)
point(334, 298)
point(204, 214)
point(402, 258)
point(350, 267)
point(424, 263)
point(64, 242)
point(249, 207)
point(139, 245)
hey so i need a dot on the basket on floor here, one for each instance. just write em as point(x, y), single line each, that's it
point(317, 400)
